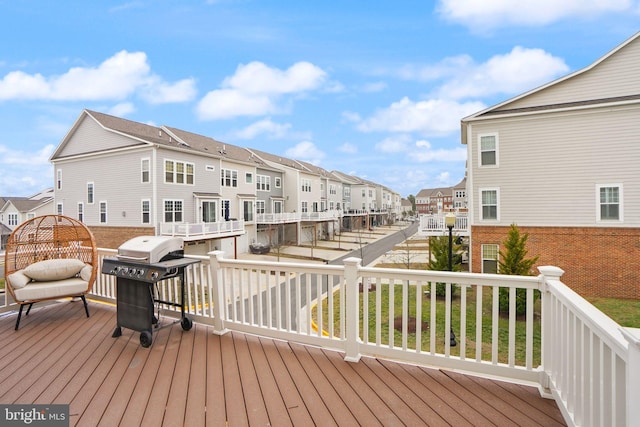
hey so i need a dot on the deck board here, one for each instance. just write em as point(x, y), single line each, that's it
point(197, 378)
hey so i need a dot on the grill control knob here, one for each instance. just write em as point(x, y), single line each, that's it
point(154, 275)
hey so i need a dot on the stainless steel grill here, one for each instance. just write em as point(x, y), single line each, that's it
point(140, 264)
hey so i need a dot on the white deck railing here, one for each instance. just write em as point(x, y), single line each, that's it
point(434, 224)
point(200, 229)
point(571, 350)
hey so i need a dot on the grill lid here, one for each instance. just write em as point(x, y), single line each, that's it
point(151, 249)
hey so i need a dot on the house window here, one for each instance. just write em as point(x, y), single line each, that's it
point(13, 219)
point(306, 185)
point(103, 212)
point(490, 259)
point(209, 211)
point(145, 169)
point(305, 207)
point(347, 192)
point(332, 189)
point(489, 201)
point(146, 211)
point(248, 210)
point(278, 182)
point(488, 150)
point(277, 207)
point(173, 211)
point(90, 192)
point(59, 179)
point(263, 183)
point(59, 209)
point(80, 211)
point(178, 172)
point(229, 178)
point(248, 178)
point(610, 202)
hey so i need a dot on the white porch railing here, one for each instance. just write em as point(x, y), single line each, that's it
point(572, 351)
point(283, 217)
point(435, 225)
point(202, 229)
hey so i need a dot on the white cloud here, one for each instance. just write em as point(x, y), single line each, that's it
point(25, 172)
point(431, 117)
point(117, 78)
point(481, 15)
point(423, 152)
point(271, 129)
point(122, 109)
point(306, 151)
point(348, 148)
point(394, 144)
point(517, 71)
point(256, 88)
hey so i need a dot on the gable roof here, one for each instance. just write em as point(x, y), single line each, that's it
point(503, 107)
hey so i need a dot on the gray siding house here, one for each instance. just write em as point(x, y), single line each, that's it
point(562, 163)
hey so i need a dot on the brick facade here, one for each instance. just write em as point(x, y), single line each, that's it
point(113, 237)
point(599, 262)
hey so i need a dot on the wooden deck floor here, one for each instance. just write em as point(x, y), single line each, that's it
point(197, 378)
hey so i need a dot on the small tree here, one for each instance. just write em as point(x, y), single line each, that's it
point(439, 260)
point(514, 261)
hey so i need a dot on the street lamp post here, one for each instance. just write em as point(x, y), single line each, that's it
point(450, 222)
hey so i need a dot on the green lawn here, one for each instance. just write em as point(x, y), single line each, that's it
point(625, 312)
point(471, 343)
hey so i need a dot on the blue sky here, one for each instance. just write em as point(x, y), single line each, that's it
point(374, 89)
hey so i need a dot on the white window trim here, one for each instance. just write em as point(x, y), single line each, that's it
point(93, 193)
point(620, 205)
point(482, 257)
point(106, 212)
point(495, 135)
point(148, 160)
point(480, 214)
point(142, 211)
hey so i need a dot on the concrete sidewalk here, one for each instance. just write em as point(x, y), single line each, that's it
point(327, 250)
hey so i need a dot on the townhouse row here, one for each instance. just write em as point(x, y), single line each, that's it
point(125, 178)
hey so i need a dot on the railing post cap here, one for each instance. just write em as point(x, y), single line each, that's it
point(632, 335)
point(551, 271)
point(352, 260)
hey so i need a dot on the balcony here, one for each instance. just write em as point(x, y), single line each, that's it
point(434, 225)
point(280, 343)
point(202, 230)
point(288, 217)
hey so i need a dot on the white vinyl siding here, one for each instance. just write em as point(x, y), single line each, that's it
point(550, 166)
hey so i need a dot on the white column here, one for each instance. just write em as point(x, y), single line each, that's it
point(351, 267)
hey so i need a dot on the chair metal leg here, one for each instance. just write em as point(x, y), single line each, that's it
point(28, 309)
point(86, 307)
point(19, 316)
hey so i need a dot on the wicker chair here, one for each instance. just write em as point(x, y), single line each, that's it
point(37, 242)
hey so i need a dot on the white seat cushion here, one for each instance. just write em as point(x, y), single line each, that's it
point(55, 289)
